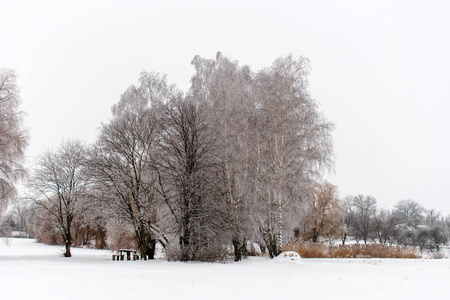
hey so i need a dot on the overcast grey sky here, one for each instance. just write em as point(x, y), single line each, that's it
point(380, 70)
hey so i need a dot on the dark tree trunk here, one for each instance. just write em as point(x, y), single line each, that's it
point(151, 248)
point(67, 242)
point(67, 253)
point(185, 245)
point(67, 236)
point(240, 248)
point(100, 238)
point(270, 239)
point(315, 235)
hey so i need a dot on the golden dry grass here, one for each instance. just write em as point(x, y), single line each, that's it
point(316, 250)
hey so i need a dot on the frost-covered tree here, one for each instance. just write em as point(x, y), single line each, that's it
point(121, 162)
point(294, 145)
point(432, 217)
point(346, 219)
point(363, 209)
point(60, 183)
point(89, 226)
point(225, 90)
point(188, 182)
point(273, 142)
point(13, 137)
point(409, 213)
point(24, 211)
point(385, 226)
point(438, 236)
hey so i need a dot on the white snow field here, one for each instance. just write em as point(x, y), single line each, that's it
point(29, 270)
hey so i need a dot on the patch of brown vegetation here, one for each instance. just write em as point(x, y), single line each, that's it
point(316, 250)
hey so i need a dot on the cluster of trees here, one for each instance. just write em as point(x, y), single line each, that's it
point(408, 224)
point(233, 161)
point(227, 163)
point(326, 217)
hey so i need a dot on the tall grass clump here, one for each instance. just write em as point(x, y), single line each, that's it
point(316, 250)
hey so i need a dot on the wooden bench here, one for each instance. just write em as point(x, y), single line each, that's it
point(118, 257)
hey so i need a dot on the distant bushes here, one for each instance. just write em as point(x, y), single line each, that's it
point(315, 250)
point(47, 233)
point(121, 238)
point(111, 236)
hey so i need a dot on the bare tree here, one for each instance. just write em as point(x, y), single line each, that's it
point(23, 210)
point(438, 236)
point(121, 161)
point(188, 181)
point(364, 209)
point(346, 219)
point(385, 226)
point(89, 225)
point(13, 137)
point(409, 212)
point(59, 183)
point(323, 212)
point(432, 217)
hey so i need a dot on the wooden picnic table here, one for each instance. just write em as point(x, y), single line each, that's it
point(120, 254)
point(128, 252)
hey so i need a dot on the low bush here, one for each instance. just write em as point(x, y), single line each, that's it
point(316, 250)
point(373, 251)
point(308, 250)
point(47, 233)
point(122, 239)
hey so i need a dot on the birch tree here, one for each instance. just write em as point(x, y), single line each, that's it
point(294, 147)
point(222, 86)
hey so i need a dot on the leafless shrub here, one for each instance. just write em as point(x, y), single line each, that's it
point(46, 230)
point(121, 238)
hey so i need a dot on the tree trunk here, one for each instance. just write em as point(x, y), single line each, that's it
point(67, 236)
point(315, 236)
point(151, 248)
point(343, 240)
point(240, 248)
point(270, 238)
point(67, 243)
point(279, 238)
point(67, 254)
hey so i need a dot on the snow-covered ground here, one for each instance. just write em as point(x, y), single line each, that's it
point(29, 270)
